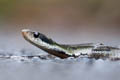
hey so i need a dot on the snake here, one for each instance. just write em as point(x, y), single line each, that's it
point(62, 50)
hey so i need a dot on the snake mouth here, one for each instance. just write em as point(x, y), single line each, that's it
point(25, 32)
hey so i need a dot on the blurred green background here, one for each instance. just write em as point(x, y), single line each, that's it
point(67, 21)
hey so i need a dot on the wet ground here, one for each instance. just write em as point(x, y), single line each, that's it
point(15, 67)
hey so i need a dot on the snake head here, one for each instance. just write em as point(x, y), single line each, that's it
point(36, 37)
point(41, 41)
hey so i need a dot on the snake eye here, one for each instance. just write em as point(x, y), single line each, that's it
point(36, 34)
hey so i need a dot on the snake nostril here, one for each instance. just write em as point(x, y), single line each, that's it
point(36, 34)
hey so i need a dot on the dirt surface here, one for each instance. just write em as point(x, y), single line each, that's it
point(52, 68)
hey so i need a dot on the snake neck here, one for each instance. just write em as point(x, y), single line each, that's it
point(53, 48)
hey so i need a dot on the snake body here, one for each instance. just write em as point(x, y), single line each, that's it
point(64, 51)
